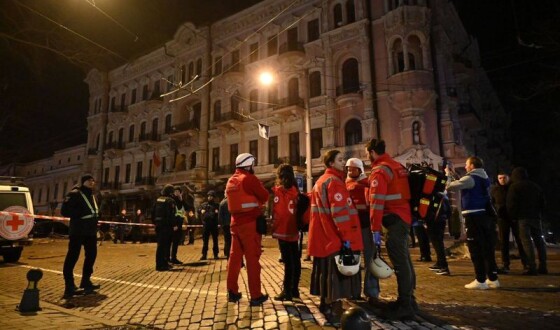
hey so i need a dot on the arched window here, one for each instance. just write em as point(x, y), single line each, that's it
point(293, 91)
point(155, 124)
point(142, 130)
point(110, 138)
point(350, 76)
point(183, 73)
point(397, 56)
point(353, 132)
point(414, 53)
point(121, 135)
point(315, 84)
point(337, 15)
point(235, 99)
point(350, 12)
point(192, 161)
point(97, 141)
point(217, 111)
point(168, 123)
point(199, 67)
point(131, 133)
point(254, 100)
point(191, 70)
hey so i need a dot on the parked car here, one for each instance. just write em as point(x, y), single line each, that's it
point(14, 229)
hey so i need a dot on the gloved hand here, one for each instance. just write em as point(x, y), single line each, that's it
point(377, 238)
point(346, 244)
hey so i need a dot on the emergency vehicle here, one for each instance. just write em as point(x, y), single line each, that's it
point(16, 217)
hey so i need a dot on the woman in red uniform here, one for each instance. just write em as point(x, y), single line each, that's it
point(284, 228)
point(334, 223)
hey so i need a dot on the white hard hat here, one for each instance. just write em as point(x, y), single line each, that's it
point(244, 160)
point(348, 266)
point(355, 162)
point(379, 268)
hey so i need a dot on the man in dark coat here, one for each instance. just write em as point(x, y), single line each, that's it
point(163, 216)
point(208, 213)
point(525, 203)
point(224, 218)
point(178, 222)
point(81, 207)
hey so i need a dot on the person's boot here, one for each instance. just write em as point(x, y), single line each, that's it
point(203, 257)
point(283, 296)
point(403, 310)
point(88, 286)
point(70, 290)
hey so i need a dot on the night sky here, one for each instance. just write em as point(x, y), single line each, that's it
point(43, 99)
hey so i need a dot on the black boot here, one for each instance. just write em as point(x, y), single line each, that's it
point(283, 296)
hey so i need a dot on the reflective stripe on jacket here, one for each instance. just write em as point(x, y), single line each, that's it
point(284, 225)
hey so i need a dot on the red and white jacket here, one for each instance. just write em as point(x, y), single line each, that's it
point(389, 191)
point(246, 196)
point(333, 216)
point(284, 225)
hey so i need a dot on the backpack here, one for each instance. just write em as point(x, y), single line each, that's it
point(426, 189)
point(302, 205)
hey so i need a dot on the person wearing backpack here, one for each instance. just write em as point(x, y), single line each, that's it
point(285, 229)
point(357, 184)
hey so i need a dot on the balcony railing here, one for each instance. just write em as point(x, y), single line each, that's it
point(144, 181)
point(114, 145)
point(288, 102)
point(149, 137)
point(226, 116)
point(224, 169)
point(291, 47)
point(342, 90)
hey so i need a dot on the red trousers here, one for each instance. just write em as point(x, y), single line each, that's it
point(245, 242)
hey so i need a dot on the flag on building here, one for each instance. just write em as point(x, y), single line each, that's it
point(264, 131)
point(156, 162)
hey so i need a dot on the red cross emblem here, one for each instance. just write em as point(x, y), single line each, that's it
point(15, 222)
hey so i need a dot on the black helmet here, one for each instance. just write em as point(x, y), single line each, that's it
point(167, 190)
point(355, 318)
point(211, 193)
point(178, 188)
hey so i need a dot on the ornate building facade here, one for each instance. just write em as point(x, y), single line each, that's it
point(402, 70)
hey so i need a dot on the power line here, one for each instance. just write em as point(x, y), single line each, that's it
point(92, 3)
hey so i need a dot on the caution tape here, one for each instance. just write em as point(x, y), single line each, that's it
point(39, 216)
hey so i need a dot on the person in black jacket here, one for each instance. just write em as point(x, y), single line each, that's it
point(498, 194)
point(178, 222)
point(224, 218)
point(436, 230)
point(525, 203)
point(208, 213)
point(120, 230)
point(191, 216)
point(163, 215)
point(81, 207)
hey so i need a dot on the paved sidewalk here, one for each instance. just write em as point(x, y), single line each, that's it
point(134, 296)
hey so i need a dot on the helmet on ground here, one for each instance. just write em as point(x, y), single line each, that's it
point(245, 160)
point(355, 162)
point(379, 268)
point(348, 263)
point(355, 318)
point(211, 193)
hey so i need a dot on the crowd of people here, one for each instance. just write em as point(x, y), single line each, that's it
point(346, 213)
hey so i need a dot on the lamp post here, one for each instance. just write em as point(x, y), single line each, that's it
point(266, 78)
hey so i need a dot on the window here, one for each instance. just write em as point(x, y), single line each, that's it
point(131, 133)
point(254, 100)
point(233, 152)
point(55, 194)
point(273, 150)
point(138, 171)
point(414, 53)
point(167, 123)
point(143, 130)
point(215, 159)
point(199, 67)
point(235, 60)
point(133, 96)
point(112, 108)
point(117, 174)
point(254, 149)
point(293, 38)
point(192, 161)
point(254, 52)
point(183, 74)
point(121, 135)
point(127, 174)
point(106, 175)
point(145, 92)
point(155, 124)
point(191, 70)
point(97, 141)
point(353, 132)
point(350, 12)
point(313, 30)
point(350, 76)
point(316, 142)
point(195, 116)
point(397, 56)
point(156, 93)
point(163, 164)
point(315, 84)
point(294, 148)
point(235, 102)
point(272, 96)
point(293, 91)
point(110, 138)
point(337, 16)
point(272, 45)
point(218, 65)
point(170, 83)
point(217, 111)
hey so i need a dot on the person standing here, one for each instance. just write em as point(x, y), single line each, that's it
point(191, 216)
point(334, 224)
point(163, 216)
point(246, 196)
point(136, 231)
point(120, 229)
point(525, 204)
point(208, 213)
point(498, 194)
point(357, 185)
point(80, 206)
point(480, 224)
point(436, 230)
point(224, 218)
point(179, 218)
point(285, 230)
point(389, 200)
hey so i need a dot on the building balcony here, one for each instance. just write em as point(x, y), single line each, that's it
point(234, 72)
point(409, 16)
point(348, 94)
point(188, 128)
point(149, 137)
point(228, 119)
point(288, 106)
point(291, 53)
point(144, 182)
point(92, 151)
point(108, 187)
point(114, 145)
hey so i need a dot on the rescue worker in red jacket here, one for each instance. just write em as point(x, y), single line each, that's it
point(285, 229)
point(357, 185)
point(246, 195)
point(334, 224)
point(389, 206)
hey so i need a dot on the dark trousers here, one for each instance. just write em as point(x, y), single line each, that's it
point(207, 232)
point(227, 240)
point(504, 228)
point(292, 266)
point(423, 240)
point(397, 249)
point(371, 284)
point(163, 235)
point(175, 240)
point(74, 246)
point(530, 231)
point(436, 230)
point(481, 240)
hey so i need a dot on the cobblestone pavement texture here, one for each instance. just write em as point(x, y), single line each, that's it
point(134, 296)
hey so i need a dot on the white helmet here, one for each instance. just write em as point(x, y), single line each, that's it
point(355, 162)
point(348, 265)
point(379, 268)
point(245, 160)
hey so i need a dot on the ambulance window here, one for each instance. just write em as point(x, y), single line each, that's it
point(12, 199)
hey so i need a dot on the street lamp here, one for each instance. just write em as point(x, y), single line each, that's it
point(267, 78)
